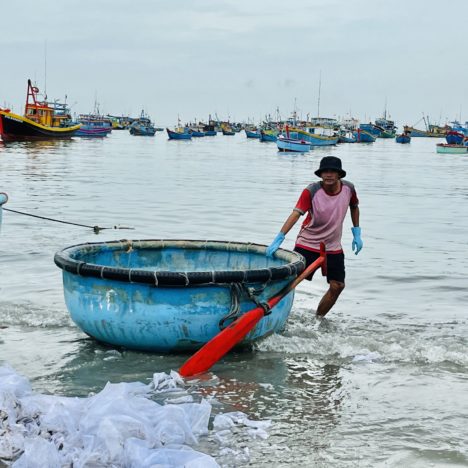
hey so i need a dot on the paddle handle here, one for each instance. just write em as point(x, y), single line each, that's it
point(320, 262)
point(224, 341)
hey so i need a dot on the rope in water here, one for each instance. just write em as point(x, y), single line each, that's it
point(96, 229)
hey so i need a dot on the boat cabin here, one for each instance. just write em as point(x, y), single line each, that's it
point(41, 112)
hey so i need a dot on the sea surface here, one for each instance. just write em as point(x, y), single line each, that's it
point(382, 381)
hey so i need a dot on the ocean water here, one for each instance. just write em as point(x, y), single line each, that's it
point(381, 381)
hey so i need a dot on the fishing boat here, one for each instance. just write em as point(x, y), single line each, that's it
point(3, 200)
point(433, 131)
point(403, 138)
point(387, 133)
point(454, 137)
point(209, 130)
point(252, 133)
point(227, 129)
point(41, 120)
point(120, 122)
point(93, 125)
point(268, 135)
point(363, 136)
point(173, 295)
point(293, 145)
point(452, 149)
point(197, 132)
point(179, 133)
point(387, 127)
point(317, 136)
point(346, 136)
point(371, 129)
point(142, 126)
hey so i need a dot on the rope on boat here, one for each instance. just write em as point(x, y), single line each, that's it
point(96, 229)
point(237, 290)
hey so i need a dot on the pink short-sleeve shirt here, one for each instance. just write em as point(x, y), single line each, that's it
point(325, 216)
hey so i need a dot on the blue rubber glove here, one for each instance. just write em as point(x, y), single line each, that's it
point(274, 246)
point(357, 241)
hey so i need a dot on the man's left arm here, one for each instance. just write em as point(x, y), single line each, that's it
point(356, 230)
point(354, 210)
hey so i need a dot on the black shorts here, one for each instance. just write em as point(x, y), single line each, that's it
point(335, 264)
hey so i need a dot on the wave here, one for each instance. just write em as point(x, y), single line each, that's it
point(345, 340)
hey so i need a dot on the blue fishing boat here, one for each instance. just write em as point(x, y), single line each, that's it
point(268, 135)
point(93, 125)
point(454, 137)
point(180, 133)
point(142, 126)
point(372, 129)
point(387, 127)
point(292, 145)
point(363, 137)
point(403, 138)
point(196, 132)
point(252, 133)
point(173, 295)
point(3, 200)
point(315, 136)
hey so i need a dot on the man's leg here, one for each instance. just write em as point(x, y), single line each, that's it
point(330, 297)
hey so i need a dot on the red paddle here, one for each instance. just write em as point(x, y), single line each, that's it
point(218, 346)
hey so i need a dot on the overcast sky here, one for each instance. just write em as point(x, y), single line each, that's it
point(240, 59)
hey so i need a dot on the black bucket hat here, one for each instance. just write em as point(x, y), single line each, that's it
point(330, 163)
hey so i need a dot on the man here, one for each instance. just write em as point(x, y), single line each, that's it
point(326, 204)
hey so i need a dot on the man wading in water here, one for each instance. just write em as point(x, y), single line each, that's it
point(326, 204)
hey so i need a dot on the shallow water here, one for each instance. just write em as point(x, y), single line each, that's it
point(380, 382)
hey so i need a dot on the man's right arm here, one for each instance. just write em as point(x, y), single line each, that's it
point(290, 222)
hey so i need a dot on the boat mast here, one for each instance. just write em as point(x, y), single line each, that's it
point(45, 70)
point(319, 89)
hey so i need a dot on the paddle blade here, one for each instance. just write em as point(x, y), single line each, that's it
point(223, 342)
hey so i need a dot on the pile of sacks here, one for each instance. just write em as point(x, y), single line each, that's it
point(120, 426)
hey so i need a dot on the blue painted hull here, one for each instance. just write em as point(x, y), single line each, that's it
point(371, 128)
point(178, 136)
point(313, 139)
point(132, 306)
point(251, 134)
point(291, 145)
point(455, 138)
point(363, 137)
point(197, 134)
point(268, 137)
point(403, 139)
point(140, 130)
point(210, 133)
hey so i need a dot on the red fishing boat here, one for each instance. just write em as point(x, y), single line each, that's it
point(41, 120)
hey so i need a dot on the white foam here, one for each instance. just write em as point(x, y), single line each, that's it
point(119, 426)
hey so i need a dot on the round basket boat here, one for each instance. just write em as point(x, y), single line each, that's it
point(173, 295)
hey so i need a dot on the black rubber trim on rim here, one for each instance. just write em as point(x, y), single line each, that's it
point(65, 260)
